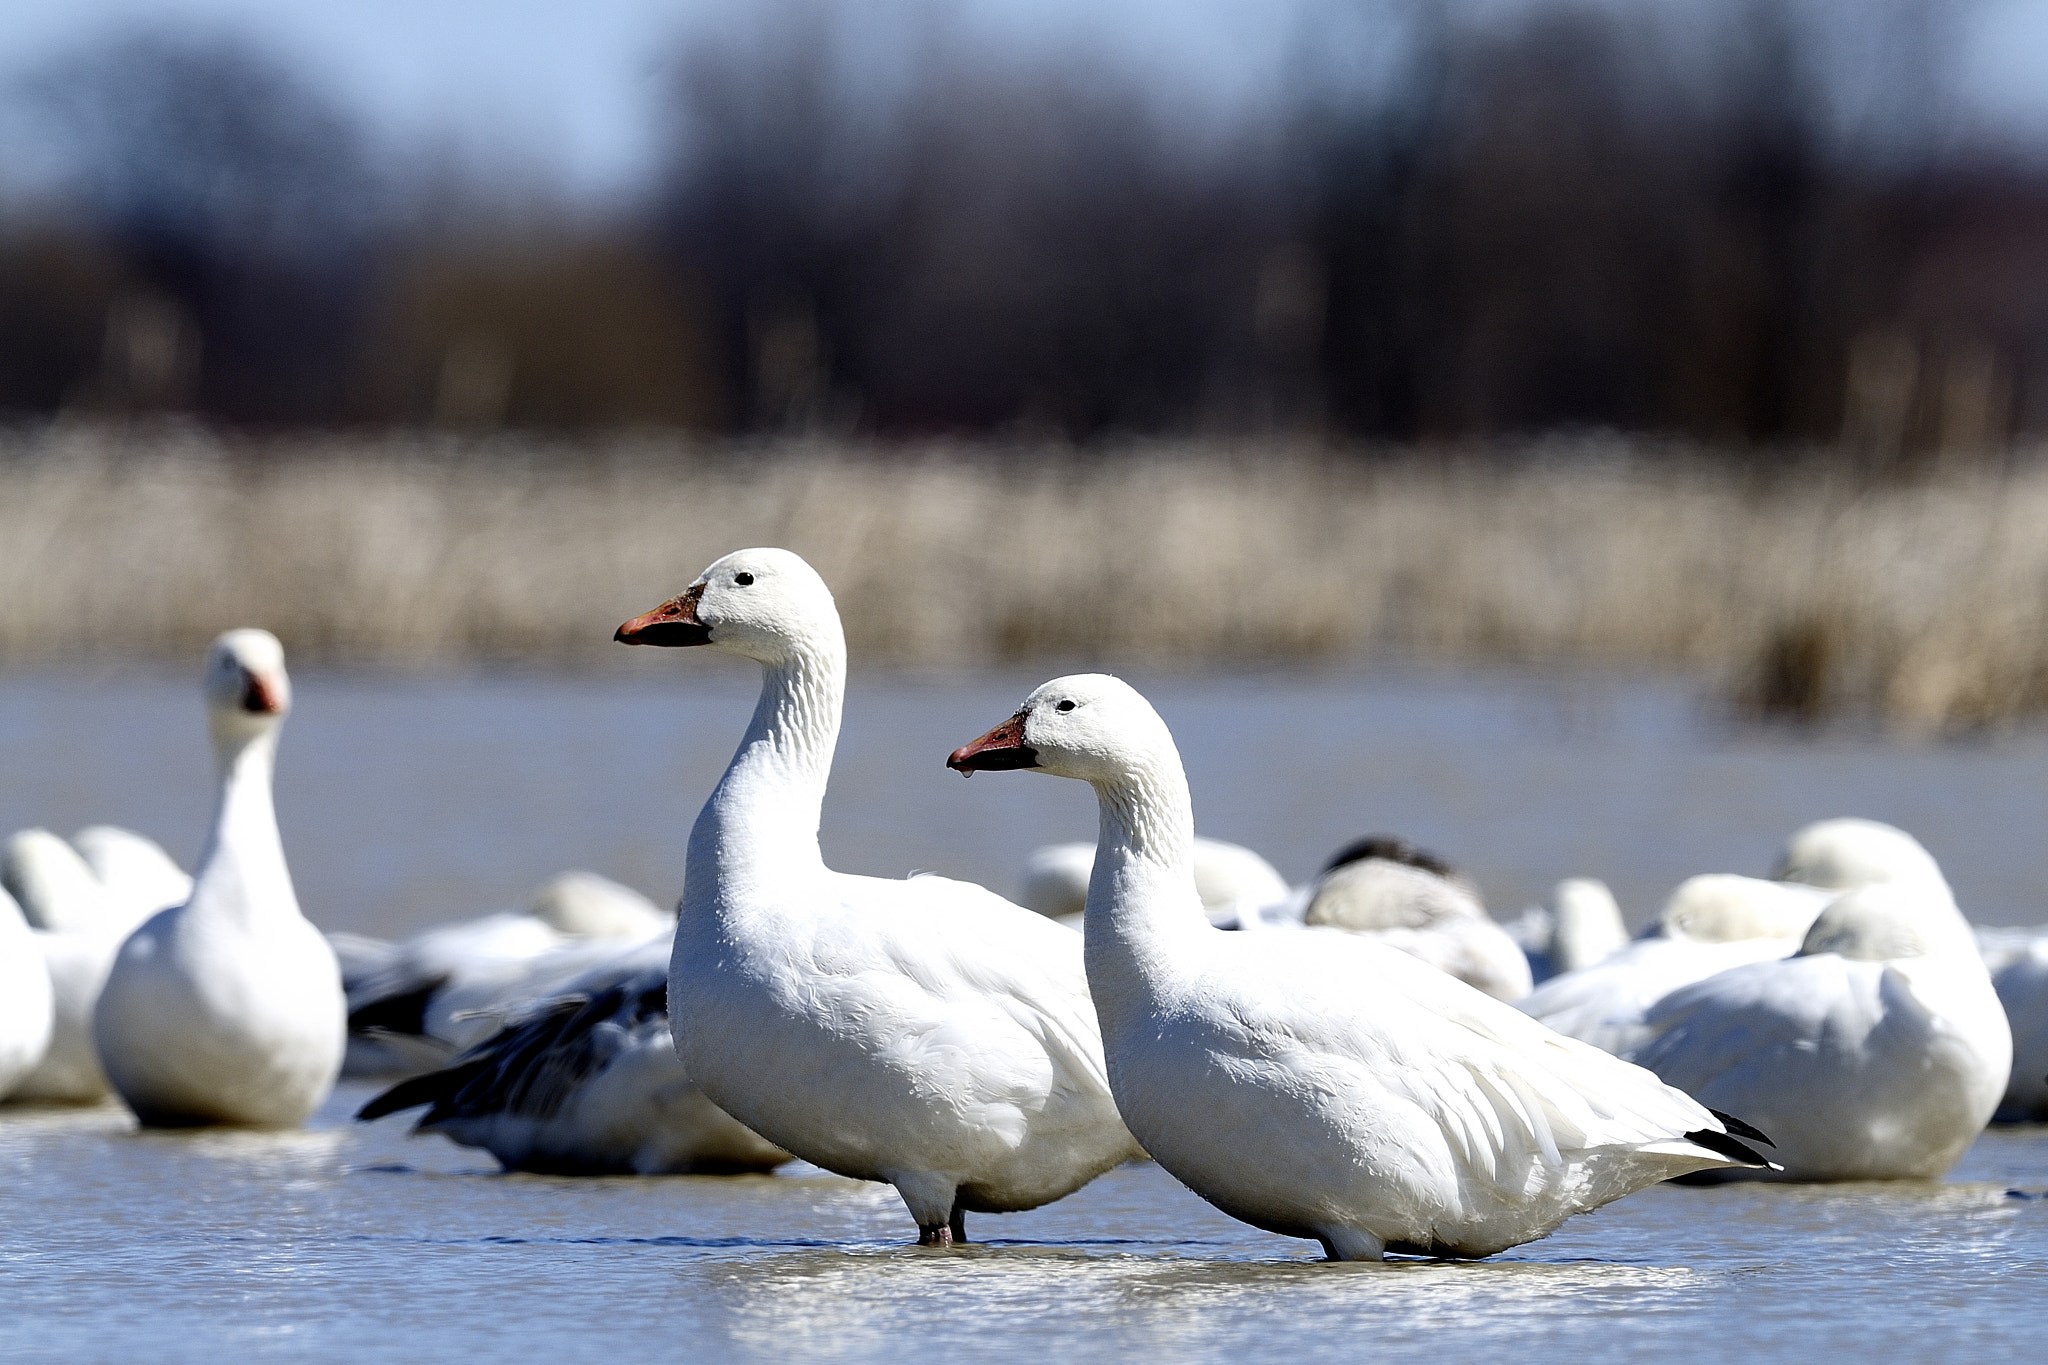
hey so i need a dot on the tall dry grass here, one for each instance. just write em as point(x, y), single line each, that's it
point(1805, 593)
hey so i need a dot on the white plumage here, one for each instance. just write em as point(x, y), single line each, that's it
point(925, 1032)
point(1878, 1052)
point(1321, 1084)
point(228, 1008)
point(24, 998)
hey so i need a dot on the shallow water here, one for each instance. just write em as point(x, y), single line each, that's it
point(405, 800)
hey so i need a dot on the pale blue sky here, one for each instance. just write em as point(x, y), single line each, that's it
point(565, 88)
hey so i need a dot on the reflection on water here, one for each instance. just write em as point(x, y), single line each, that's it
point(407, 799)
point(352, 1242)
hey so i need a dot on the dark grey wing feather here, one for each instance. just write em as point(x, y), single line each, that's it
point(529, 1068)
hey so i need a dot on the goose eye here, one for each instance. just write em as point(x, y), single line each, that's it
point(1064, 706)
point(744, 579)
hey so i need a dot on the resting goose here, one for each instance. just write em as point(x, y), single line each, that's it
point(927, 1032)
point(585, 1083)
point(82, 899)
point(1235, 883)
point(2018, 962)
point(1326, 1085)
point(228, 1008)
point(413, 1005)
point(1718, 920)
point(1877, 1052)
point(1409, 899)
point(24, 999)
point(1581, 926)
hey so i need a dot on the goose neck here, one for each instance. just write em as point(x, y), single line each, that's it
point(1141, 894)
point(243, 874)
point(762, 820)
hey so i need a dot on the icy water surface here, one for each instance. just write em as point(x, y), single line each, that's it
point(406, 800)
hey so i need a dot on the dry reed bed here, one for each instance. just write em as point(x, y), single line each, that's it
point(1923, 604)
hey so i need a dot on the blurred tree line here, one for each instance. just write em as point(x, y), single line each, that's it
point(1438, 229)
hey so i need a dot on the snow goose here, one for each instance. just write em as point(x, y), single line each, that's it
point(1845, 853)
point(1384, 886)
point(585, 1083)
point(1327, 1085)
point(926, 1032)
point(1582, 925)
point(24, 998)
point(228, 1008)
point(82, 899)
point(414, 1004)
point(1877, 1052)
point(1711, 922)
point(2018, 962)
point(1235, 883)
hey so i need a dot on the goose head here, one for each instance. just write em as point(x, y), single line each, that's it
point(1884, 921)
point(1088, 726)
point(762, 604)
point(1845, 853)
point(1725, 907)
point(247, 690)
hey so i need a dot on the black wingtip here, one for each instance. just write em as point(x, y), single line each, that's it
point(1741, 1129)
point(1730, 1148)
point(418, 1090)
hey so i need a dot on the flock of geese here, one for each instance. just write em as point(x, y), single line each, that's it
point(1370, 1061)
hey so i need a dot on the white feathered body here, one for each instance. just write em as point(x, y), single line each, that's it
point(921, 1032)
point(1859, 1070)
point(25, 999)
point(1605, 1004)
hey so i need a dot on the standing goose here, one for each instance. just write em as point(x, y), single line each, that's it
point(927, 1032)
point(228, 1008)
point(1325, 1085)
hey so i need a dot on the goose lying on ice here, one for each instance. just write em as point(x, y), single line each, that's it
point(412, 1005)
point(24, 998)
point(1878, 1052)
point(1716, 921)
point(228, 1008)
point(585, 1083)
point(1581, 926)
point(927, 1032)
point(2018, 962)
point(1327, 1085)
point(1233, 880)
point(1711, 923)
point(1414, 901)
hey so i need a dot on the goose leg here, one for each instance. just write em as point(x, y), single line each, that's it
point(930, 1199)
point(1351, 1244)
point(957, 1225)
point(935, 1234)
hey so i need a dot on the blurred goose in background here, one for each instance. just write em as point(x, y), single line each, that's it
point(24, 998)
point(413, 1005)
point(1582, 925)
point(82, 899)
point(228, 1008)
point(585, 1083)
point(1877, 1052)
point(1716, 921)
point(1235, 883)
point(1322, 1085)
point(925, 1032)
point(1385, 887)
point(2018, 962)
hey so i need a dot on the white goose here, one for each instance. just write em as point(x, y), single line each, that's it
point(1235, 882)
point(1581, 926)
point(228, 1008)
point(1720, 920)
point(1384, 886)
point(1878, 1052)
point(82, 899)
point(585, 1083)
point(2018, 962)
point(24, 998)
point(1325, 1085)
point(927, 1032)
